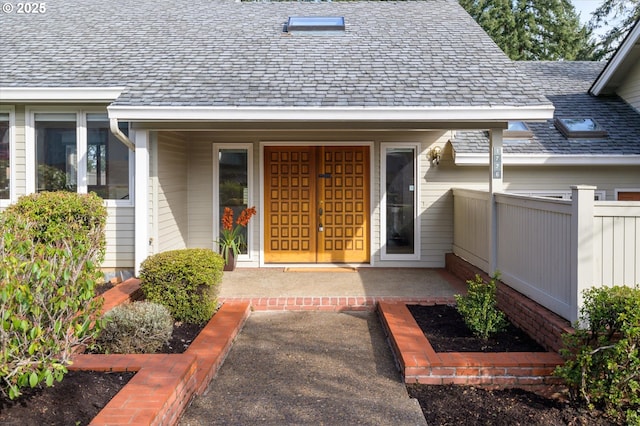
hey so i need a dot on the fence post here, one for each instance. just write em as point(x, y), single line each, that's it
point(582, 201)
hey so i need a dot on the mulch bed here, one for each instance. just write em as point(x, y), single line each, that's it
point(470, 405)
point(80, 396)
point(77, 399)
point(446, 331)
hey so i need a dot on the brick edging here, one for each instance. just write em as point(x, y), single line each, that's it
point(420, 363)
point(543, 325)
point(164, 384)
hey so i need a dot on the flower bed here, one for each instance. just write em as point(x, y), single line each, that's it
point(164, 383)
point(420, 363)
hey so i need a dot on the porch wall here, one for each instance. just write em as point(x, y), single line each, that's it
point(551, 178)
point(170, 192)
point(434, 198)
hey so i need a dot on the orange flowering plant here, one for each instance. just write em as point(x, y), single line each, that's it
point(231, 237)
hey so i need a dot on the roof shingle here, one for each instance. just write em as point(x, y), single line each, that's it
point(227, 53)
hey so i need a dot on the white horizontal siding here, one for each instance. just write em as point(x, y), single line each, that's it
point(606, 179)
point(200, 196)
point(120, 237)
point(630, 89)
point(172, 179)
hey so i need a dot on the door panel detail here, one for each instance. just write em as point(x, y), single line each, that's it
point(317, 204)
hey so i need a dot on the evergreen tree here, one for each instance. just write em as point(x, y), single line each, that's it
point(620, 16)
point(533, 29)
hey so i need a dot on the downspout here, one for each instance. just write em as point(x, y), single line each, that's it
point(113, 124)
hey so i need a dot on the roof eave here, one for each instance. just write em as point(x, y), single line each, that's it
point(616, 62)
point(59, 94)
point(320, 114)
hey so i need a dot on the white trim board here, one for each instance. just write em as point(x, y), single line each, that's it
point(477, 159)
point(59, 94)
point(294, 114)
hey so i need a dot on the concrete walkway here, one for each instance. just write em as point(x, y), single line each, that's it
point(307, 368)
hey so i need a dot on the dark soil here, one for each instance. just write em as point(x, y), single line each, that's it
point(446, 331)
point(469, 405)
point(80, 396)
point(77, 399)
point(183, 335)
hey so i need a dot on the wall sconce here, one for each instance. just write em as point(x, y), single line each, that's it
point(434, 155)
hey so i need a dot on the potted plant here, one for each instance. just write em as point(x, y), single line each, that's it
point(232, 240)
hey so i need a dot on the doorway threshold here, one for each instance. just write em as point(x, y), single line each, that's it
point(321, 269)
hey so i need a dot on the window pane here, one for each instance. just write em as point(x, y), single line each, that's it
point(517, 126)
point(56, 163)
point(107, 160)
point(5, 163)
point(579, 124)
point(233, 178)
point(400, 186)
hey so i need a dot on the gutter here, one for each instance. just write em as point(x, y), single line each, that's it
point(113, 124)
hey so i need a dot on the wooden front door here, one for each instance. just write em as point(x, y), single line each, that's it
point(316, 204)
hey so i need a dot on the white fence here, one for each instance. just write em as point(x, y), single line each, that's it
point(550, 250)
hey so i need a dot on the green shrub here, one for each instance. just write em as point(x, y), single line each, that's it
point(136, 328)
point(478, 308)
point(602, 358)
point(185, 281)
point(50, 248)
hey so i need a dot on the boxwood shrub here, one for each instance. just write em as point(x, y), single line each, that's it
point(185, 281)
point(51, 246)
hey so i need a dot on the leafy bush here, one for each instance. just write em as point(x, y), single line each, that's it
point(50, 248)
point(136, 328)
point(478, 308)
point(185, 281)
point(602, 358)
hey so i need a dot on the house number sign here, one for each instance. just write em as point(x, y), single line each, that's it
point(497, 163)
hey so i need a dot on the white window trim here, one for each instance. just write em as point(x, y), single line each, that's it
point(81, 151)
point(252, 251)
point(12, 154)
point(383, 202)
point(623, 190)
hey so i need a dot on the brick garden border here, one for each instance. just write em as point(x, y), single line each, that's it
point(164, 383)
point(420, 363)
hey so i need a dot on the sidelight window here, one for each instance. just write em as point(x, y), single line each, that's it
point(399, 213)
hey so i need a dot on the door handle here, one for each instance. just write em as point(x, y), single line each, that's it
point(320, 211)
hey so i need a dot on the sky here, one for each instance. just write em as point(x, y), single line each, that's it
point(585, 7)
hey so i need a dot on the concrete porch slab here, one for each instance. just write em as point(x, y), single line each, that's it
point(412, 283)
point(279, 289)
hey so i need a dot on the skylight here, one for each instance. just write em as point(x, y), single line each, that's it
point(315, 23)
point(580, 128)
point(517, 130)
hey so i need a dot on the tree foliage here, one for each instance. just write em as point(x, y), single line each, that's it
point(617, 15)
point(533, 29)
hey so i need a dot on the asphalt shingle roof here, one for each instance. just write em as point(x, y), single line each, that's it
point(566, 84)
point(227, 53)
